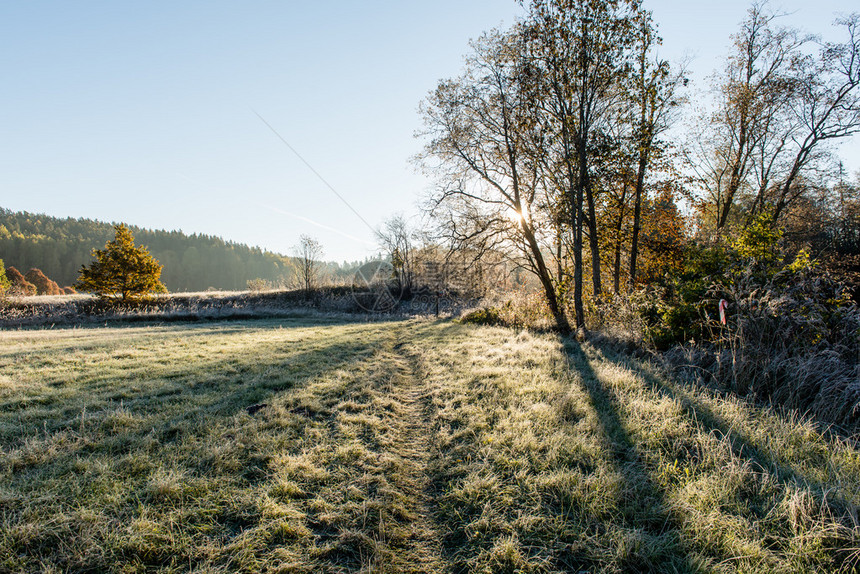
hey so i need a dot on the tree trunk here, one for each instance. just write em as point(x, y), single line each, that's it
point(593, 244)
point(619, 225)
point(555, 308)
point(577, 264)
point(577, 234)
point(738, 170)
point(785, 189)
point(637, 213)
point(616, 268)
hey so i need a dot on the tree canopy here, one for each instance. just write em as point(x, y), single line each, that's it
point(552, 147)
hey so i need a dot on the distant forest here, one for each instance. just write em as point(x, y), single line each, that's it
point(191, 262)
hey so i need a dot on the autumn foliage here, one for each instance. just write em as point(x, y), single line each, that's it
point(44, 285)
point(18, 284)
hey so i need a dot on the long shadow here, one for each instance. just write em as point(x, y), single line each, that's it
point(227, 393)
point(742, 445)
point(646, 508)
point(160, 434)
point(291, 320)
point(222, 398)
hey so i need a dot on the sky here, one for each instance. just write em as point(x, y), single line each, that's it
point(262, 121)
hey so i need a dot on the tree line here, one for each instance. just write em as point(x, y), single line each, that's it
point(559, 145)
point(197, 262)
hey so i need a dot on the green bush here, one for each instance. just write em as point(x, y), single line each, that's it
point(681, 307)
point(483, 316)
point(792, 333)
point(684, 306)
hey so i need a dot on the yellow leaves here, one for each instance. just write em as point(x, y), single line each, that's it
point(802, 262)
point(123, 269)
point(759, 239)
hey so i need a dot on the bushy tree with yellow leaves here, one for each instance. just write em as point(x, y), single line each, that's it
point(121, 270)
point(5, 284)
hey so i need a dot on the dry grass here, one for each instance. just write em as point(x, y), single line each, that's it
point(409, 446)
point(84, 309)
point(345, 300)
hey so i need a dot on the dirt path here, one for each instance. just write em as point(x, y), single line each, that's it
point(413, 445)
point(373, 442)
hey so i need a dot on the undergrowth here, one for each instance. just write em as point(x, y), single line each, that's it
point(367, 302)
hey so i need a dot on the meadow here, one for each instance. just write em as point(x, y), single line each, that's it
point(331, 445)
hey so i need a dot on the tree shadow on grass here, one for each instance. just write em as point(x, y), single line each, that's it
point(644, 508)
point(175, 400)
point(208, 461)
point(742, 444)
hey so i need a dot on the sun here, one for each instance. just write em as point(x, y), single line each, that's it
point(514, 215)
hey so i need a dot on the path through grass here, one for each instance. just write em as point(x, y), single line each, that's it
point(291, 446)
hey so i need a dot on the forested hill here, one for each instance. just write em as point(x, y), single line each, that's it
point(191, 262)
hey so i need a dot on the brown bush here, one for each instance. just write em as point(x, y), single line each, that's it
point(20, 286)
point(44, 286)
point(14, 275)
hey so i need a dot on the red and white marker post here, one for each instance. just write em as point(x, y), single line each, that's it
point(723, 306)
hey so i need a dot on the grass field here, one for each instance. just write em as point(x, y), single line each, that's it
point(306, 445)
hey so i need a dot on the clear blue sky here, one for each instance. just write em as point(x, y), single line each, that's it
point(144, 112)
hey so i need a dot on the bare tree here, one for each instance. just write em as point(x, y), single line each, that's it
point(397, 240)
point(483, 135)
point(751, 92)
point(308, 253)
point(779, 107)
point(826, 107)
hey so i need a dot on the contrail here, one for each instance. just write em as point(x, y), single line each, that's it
point(285, 212)
point(315, 172)
point(318, 224)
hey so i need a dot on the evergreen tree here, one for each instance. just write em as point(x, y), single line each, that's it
point(122, 268)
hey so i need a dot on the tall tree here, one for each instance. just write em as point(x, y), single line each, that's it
point(584, 49)
point(483, 137)
point(778, 107)
point(825, 106)
point(654, 95)
point(750, 92)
